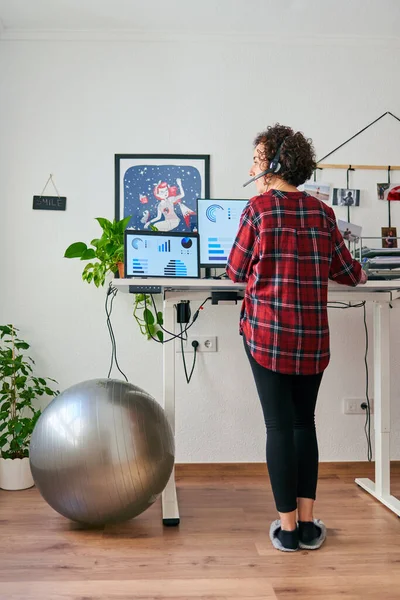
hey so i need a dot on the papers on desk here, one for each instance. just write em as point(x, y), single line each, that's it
point(395, 260)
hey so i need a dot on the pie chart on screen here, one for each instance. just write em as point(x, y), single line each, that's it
point(136, 243)
point(186, 242)
point(394, 194)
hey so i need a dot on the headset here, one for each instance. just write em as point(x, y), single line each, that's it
point(274, 166)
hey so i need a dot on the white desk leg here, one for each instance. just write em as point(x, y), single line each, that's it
point(169, 500)
point(381, 488)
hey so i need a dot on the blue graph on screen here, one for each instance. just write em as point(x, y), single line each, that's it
point(165, 247)
point(140, 267)
point(219, 249)
point(175, 268)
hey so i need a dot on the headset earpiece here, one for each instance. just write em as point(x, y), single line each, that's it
point(274, 166)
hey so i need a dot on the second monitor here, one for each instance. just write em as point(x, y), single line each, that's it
point(218, 223)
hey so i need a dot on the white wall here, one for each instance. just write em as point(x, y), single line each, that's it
point(67, 107)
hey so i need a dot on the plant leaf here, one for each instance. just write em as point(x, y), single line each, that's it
point(148, 316)
point(88, 254)
point(75, 250)
point(122, 225)
point(21, 345)
point(151, 329)
point(105, 224)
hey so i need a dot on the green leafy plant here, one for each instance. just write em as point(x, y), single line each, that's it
point(148, 319)
point(108, 250)
point(19, 388)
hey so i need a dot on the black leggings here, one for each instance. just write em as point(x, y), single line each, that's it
point(288, 403)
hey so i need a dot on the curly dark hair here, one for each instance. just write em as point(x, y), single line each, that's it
point(297, 156)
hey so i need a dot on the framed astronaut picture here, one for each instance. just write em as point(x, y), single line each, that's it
point(160, 191)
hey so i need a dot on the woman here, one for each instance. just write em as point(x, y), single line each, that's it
point(287, 247)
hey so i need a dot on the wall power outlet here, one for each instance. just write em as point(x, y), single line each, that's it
point(352, 406)
point(207, 343)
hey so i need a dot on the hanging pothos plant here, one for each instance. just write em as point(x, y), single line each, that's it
point(147, 317)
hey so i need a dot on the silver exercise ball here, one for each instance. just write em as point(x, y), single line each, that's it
point(102, 451)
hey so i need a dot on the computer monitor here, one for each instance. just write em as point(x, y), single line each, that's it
point(160, 254)
point(217, 223)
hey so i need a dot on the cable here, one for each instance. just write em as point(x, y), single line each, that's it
point(112, 292)
point(195, 344)
point(345, 304)
point(358, 133)
point(365, 405)
point(367, 427)
point(174, 336)
point(182, 336)
point(177, 335)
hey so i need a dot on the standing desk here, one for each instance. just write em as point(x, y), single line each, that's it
point(384, 295)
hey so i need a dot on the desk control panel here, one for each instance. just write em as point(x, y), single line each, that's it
point(145, 289)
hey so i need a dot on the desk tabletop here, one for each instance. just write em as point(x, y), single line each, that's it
point(171, 283)
point(384, 290)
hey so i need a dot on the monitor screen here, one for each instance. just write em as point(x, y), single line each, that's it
point(218, 223)
point(156, 254)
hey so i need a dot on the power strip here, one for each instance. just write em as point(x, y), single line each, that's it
point(225, 297)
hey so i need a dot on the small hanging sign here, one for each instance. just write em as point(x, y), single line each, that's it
point(49, 202)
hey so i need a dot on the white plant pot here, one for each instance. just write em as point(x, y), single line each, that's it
point(15, 474)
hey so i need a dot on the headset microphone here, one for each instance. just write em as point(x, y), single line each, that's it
point(274, 166)
point(257, 177)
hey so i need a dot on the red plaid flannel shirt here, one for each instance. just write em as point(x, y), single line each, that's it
point(287, 247)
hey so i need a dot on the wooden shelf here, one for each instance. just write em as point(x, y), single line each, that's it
point(359, 167)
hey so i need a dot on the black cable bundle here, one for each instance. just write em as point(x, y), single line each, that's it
point(367, 427)
point(111, 293)
point(365, 405)
point(182, 336)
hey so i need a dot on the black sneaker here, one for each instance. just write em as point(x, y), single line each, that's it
point(311, 534)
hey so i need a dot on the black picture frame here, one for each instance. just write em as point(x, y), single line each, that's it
point(161, 190)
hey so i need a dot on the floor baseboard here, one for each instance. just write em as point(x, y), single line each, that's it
point(326, 469)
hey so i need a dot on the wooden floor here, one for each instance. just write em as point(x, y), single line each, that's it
point(221, 549)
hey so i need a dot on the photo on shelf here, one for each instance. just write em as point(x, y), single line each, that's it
point(381, 188)
point(388, 191)
point(350, 232)
point(345, 197)
point(318, 189)
point(389, 235)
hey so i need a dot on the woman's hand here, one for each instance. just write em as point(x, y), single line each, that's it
point(364, 277)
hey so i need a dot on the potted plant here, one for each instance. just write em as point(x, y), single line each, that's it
point(108, 250)
point(19, 388)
